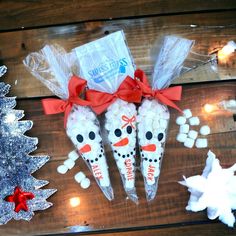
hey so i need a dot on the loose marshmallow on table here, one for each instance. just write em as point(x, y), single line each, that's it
point(73, 155)
point(79, 176)
point(201, 143)
point(62, 169)
point(180, 120)
point(192, 134)
point(205, 130)
point(184, 128)
point(181, 137)
point(85, 183)
point(187, 113)
point(189, 143)
point(69, 163)
point(194, 121)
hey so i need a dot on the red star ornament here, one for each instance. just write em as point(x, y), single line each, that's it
point(19, 198)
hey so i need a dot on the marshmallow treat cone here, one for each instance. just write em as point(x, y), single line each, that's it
point(152, 119)
point(121, 127)
point(83, 130)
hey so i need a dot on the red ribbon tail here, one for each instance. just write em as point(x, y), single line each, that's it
point(167, 101)
point(66, 114)
point(172, 93)
point(52, 106)
point(101, 108)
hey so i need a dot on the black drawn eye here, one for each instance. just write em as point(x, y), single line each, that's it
point(129, 129)
point(160, 136)
point(92, 135)
point(117, 132)
point(149, 135)
point(79, 138)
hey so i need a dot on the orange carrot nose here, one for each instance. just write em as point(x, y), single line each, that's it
point(85, 148)
point(122, 142)
point(149, 148)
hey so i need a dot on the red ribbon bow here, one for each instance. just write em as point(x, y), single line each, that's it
point(55, 105)
point(128, 91)
point(165, 96)
point(128, 121)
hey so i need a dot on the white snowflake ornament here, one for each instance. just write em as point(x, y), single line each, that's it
point(214, 190)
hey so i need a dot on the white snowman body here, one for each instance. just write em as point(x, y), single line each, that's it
point(121, 127)
point(152, 121)
point(84, 131)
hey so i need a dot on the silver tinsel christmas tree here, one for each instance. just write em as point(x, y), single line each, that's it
point(20, 193)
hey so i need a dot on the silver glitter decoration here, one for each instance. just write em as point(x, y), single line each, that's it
point(16, 165)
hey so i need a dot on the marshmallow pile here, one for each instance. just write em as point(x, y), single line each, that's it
point(214, 190)
point(68, 164)
point(121, 126)
point(84, 131)
point(188, 136)
point(82, 180)
point(152, 120)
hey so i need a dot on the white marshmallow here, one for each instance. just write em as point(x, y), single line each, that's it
point(205, 130)
point(180, 120)
point(79, 177)
point(187, 113)
point(194, 121)
point(85, 183)
point(181, 137)
point(201, 143)
point(189, 143)
point(69, 163)
point(62, 169)
point(163, 123)
point(184, 128)
point(73, 155)
point(192, 134)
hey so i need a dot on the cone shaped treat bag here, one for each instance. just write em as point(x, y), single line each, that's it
point(52, 66)
point(153, 114)
point(107, 66)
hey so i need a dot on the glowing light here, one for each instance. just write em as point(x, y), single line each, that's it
point(10, 118)
point(229, 48)
point(75, 201)
point(209, 108)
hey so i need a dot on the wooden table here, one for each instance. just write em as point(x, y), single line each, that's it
point(26, 26)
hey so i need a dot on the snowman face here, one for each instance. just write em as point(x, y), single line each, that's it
point(83, 130)
point(152, 127)
point(90, 145)
point(152, 146)
point(122, 135)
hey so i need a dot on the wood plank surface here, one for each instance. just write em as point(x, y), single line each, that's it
point(209, 30)
point(96, 213)
point(24, 14)
point(193, 230)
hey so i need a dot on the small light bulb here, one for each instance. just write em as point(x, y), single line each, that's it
point(226, 50)
point(209, 108)
point(75, 201)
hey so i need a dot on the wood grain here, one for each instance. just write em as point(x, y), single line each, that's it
point(96, 213)
point(24, 14)
point(193, 230)
point(211, 30)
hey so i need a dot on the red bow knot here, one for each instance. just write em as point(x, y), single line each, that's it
point(165, 96)
point(128, 91)
point(54, 105)
point(128, 121)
